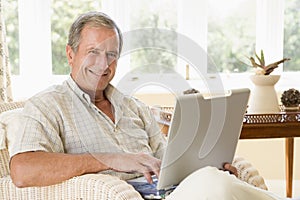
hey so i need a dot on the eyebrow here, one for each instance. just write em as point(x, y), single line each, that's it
point(114, 50)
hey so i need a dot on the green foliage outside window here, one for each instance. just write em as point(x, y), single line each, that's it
point(12, 33)
point(64, 13)
point(160, 16)
point(231, 35)
point(292, 35)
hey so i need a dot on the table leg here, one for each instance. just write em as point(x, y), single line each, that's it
point(289, 161)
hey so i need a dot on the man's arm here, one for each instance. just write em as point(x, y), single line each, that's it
point(43, 168)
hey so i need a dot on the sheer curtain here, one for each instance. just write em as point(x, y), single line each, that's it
point(270, 30)
point(5, 84)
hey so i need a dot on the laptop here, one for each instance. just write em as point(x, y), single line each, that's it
point(204, 131)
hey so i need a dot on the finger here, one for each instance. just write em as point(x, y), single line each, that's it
point(152, 164)
point(149, 167)
point(231, 169)
point(156, 172)
point(146, 172)
point(148, 177)
point(155, 167)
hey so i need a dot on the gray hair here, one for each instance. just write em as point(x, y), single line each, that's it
point(96, 19)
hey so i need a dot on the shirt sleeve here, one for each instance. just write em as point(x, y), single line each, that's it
point(37, 131)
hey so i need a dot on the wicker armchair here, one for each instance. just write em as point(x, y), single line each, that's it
point(89, 186)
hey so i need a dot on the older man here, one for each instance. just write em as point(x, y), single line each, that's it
point(85, 125)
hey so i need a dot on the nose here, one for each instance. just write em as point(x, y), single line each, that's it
point(101, 61)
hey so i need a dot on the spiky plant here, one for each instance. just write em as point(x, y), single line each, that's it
point(264, 69)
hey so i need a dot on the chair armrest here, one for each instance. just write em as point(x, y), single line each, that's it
point(4, 163)
point(89, 186)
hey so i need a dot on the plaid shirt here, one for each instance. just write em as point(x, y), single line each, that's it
point(63, 119)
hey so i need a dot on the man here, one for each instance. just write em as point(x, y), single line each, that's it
point(86, 125)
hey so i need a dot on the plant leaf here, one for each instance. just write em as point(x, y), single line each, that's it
point(262, 57)
point(268, 69)
point(254, 64)
point(277, 63)
point(258, 58)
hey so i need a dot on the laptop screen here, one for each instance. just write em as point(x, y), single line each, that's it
point(204, 131)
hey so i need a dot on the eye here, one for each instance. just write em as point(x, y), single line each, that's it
point(94, 51)
point(112, 55)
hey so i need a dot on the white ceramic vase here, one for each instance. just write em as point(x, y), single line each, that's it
point(263, 98)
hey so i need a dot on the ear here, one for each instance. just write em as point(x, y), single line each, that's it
point(70, 55)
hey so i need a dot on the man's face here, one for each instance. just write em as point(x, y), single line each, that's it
point(94, 64)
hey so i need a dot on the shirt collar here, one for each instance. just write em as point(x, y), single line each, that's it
point(82, 95)
point(112, 94)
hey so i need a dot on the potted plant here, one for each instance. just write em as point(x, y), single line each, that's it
point(263, 98)
point(290, 99)
point(261, 67)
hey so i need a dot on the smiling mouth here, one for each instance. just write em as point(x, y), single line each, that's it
point(105, 73)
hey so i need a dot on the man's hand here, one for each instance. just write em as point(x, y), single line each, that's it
point(132, 162)
point(231, 169)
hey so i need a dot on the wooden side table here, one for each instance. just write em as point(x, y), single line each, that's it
point(261, 126)
point(278, 125)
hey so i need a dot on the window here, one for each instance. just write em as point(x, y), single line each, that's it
point(153, 14)
point(12, 33)
point(37, 35)
point(231, 33)
point(292, 35)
